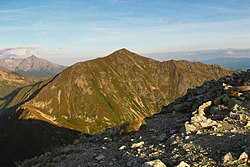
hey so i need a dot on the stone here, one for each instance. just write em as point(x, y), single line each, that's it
point(237, 107)
point(226, 86)
point(154, 163)
point(100, 157)
point(235, 94)
point(190, 128)
point(200, 121)
point(203, 107)
point(111, 164)
point(162, 137)
point(198, 132)
point(122, 147)
point(183, 164)
point(243, 88)
point(222, 107)
point(207, 123)
point(107, 139)
point(234, 115)
point(243, 157)
point(197, 118)
point(243, 118)
point(136, 145)
point(248, 124)
point(227, 158)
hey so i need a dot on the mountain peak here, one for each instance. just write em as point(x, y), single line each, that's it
point(32, 57)
point(122, 52)
point(125, 54)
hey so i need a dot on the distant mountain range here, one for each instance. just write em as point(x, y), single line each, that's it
point(15, 60)
point(92, 96)
point(231, 58)
point(231, 63)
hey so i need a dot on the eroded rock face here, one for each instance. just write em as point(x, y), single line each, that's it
point(225, 142)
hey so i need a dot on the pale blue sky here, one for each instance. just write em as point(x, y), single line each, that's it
point(86, 28)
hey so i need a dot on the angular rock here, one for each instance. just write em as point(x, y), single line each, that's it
point(243, 118)
point(207, 123)
point(243, 157)
point(136, 145)
point(203, 107)
point(122, 147)
point(162, 137)
point(227, 158)
point(226, 86)
point(200, 121)
point(154, 163)
point(190, 128)
point(243, 88)
point(248, 124)
point(100, 157)
point(183, 164)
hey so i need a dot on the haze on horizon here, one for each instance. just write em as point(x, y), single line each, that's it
point(65, 29)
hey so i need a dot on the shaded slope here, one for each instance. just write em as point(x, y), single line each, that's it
point(101, 93)
point(20, 139)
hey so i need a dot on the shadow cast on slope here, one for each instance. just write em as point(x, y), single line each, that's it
point(8, 115)
point(20, 139)
point(28, 138)
point(9, 97)
point(218, 146)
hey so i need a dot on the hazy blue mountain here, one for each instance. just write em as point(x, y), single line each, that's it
point(230, 58)
point(231, 63)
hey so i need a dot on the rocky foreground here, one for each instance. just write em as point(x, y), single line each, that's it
point(208, 126)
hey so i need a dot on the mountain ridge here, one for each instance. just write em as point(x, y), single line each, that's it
point(122, 77)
